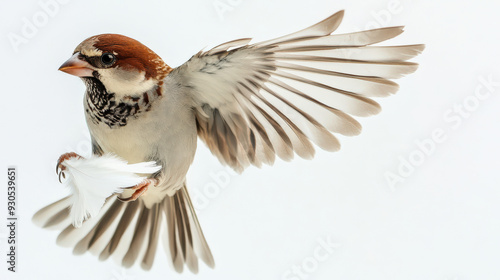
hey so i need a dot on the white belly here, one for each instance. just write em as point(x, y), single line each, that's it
point(166, 134)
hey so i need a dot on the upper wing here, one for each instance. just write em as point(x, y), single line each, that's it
point(253, 102)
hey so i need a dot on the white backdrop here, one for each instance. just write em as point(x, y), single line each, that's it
point(335, 217)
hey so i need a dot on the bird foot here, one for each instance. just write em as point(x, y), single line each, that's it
point(60, 167)
point(140, 189)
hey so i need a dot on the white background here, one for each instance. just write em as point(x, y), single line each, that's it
point(441, 223)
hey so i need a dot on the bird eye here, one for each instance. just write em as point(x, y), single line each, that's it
point(108, 59)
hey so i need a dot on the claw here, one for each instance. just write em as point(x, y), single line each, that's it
point(62, 173)
point(60, 167)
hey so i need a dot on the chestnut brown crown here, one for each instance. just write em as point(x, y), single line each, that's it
point(129, 53)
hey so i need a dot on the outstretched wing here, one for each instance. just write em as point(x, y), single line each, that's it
point(253, 102)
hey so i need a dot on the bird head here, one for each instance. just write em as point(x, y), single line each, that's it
point(123, 65)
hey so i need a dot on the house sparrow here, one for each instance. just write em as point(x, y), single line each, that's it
point(247, 102)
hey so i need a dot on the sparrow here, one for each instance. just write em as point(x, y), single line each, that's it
point(249, 103)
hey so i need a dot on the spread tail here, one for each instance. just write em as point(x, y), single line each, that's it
point(129, 231)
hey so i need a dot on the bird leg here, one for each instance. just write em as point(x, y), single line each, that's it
point(60, 167)
point(140, 188)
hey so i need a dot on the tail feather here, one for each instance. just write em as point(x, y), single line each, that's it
point(53, 215)
point(189, 243)
point(200, 244)
point(130, 231)
point(156, 222)
point(140, 237)
point(125, 222)
point(107, 220)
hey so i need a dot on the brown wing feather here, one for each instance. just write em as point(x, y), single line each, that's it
point(278, 97)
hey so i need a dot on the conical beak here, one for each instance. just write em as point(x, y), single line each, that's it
point(76, 66)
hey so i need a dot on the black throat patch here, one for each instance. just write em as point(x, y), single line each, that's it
point(102, 106)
